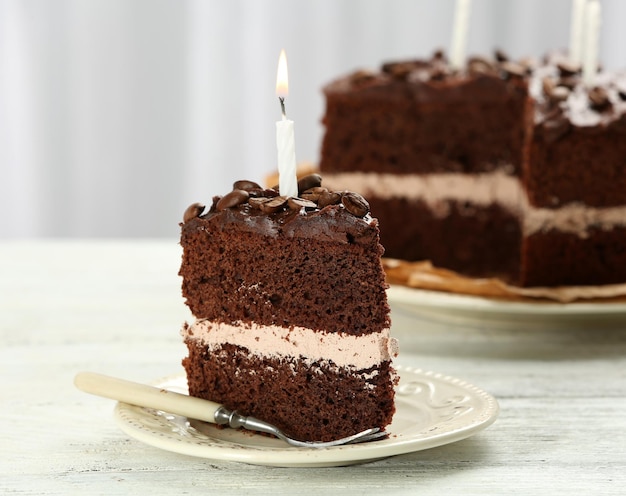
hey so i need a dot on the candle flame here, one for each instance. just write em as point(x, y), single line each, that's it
point(282, 78)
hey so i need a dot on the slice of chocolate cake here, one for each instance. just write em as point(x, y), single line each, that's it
point(575, 179)
point(292, 322)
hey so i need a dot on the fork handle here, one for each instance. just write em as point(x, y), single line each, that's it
point(138, 394)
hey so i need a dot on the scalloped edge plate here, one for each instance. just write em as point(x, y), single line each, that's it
point(431, 410)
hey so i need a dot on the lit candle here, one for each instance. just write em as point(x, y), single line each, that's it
point(592, 37)
point(459, 34)
point(576, 31)
point(287, 179)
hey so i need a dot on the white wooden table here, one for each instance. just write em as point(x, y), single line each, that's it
point(115, 307)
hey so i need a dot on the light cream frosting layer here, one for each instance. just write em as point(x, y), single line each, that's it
point(354, 352)
point(484, 189)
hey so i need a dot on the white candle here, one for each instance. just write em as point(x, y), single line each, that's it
point(459, 34)
point(287, 178)
point(592, 37)
point(576, 31)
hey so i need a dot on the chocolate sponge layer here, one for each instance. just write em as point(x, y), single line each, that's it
point(336, 285)
point(306, 401)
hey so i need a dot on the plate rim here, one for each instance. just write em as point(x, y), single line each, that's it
point(431, 299)
point(290, 456)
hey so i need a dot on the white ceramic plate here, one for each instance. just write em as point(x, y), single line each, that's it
point(474, 311)
point(432, 410)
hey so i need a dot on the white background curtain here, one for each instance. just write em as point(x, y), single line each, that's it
point(117, 114)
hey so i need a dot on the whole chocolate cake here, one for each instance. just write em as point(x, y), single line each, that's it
point(481, 171)
point(292, 322)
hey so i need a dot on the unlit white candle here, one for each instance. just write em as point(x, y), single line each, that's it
point(285, 138)
point(459, 33)
point(576, 31)
point(592, 37)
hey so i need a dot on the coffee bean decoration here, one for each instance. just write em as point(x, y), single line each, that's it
point(599, 99)
point(246, 185)
point(194, 210)
point(255, 202)
point(559, 94)
point(355, 204)
point(361, 77)
point(313, 194)
point(528, 63)
point(569, 82)
point(480, 65)
point(567, 68)
point(513, 69)
point(270, 202)
point(308, 182)
point(232, 199)
point(300, 203)
point(399, 70)
point(274, 205)
point(328, 198)
point(439, 72)
point(265, 193)
point(548, 85)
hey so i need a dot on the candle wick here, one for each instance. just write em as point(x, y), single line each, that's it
point(282, 106)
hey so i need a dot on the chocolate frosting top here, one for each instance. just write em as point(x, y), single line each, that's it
point(564, 102)
point(316, 213)
point(432, 80)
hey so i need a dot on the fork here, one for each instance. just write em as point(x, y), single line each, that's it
point(161, 399)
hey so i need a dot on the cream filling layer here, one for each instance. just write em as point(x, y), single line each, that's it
point(497, 187)
point(354, 352)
